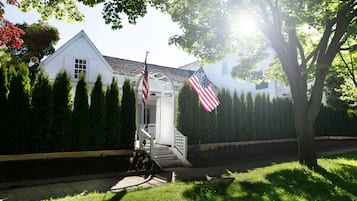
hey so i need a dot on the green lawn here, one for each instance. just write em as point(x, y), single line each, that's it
point(335, 179)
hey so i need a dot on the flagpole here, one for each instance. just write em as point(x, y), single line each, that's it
point(144, 105)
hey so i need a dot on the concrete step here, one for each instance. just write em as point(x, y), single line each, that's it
point(162, 152)
point(165, 157)
point(168, 163)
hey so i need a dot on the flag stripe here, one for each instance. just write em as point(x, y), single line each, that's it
point(145, 87)
point(200, 83)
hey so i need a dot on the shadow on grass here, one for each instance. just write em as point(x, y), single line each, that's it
point(345, 177)
point(209, 190)
point(348, 156)
point(298, 184)
point(118, 196)
point(290, 184)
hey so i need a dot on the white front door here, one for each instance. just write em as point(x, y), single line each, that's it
point(165, 120)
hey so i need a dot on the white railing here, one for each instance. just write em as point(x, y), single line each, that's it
point(146, 141)
point(180, 143)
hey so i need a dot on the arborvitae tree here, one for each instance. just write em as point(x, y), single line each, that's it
point(243, 127)
point(184, 107)
point(236, 117)
point(224, 115)
point(96, 115)
point(80, 116)
point(212, 119)
point(187, 117)
point(3, 108)
point(204, 126)
point(268, 121)
point(250, 117)
point(112, 116)
point(41, 114)
point(290, 118)
point(276, 121)
point(259, 117)
point(61, 112)
point(128, 114)
point(18, 110)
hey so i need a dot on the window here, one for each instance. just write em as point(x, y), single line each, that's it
point(262, 85)
point(80, 65)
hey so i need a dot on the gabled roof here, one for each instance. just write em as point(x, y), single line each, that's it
point(81, 34)
point(194, 66)
point(132, 68)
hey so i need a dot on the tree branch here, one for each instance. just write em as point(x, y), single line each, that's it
point(349, 70)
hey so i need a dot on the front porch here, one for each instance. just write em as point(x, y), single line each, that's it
point(156, 131)
point(165, 155)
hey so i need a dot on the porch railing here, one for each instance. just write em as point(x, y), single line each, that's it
point(180, 143)
point(146, 142)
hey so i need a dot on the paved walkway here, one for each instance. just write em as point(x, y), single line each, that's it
point(116, 183)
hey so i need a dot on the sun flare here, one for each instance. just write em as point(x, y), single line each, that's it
point(244, 24)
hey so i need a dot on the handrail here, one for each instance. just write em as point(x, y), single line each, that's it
point(145, 135)
point(180, 143)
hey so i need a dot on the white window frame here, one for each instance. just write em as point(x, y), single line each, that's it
point(80, 65)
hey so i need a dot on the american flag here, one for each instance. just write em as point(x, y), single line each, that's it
point(200, 83)
point(145, 89)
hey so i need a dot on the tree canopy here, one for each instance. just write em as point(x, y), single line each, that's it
point(113, 11)
point(306, 37)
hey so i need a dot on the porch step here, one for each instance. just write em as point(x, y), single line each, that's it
point(165, 158)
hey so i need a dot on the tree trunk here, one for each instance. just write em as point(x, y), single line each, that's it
point(306, 140)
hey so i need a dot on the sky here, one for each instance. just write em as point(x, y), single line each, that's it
point(151, 33)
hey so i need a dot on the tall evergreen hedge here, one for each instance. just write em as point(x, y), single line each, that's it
point(97, 115)
point(47, 122)
point(4, 135)
point(128, 113)
point(112, 116)
point(41, 116)
point(80, 117)
point(225, 116)
point(244, 117)
point(61, 112)
point(18, 110)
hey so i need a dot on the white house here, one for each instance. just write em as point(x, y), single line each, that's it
point(219, 73)
point(155, 121)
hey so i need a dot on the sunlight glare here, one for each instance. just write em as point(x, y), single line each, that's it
point(243, 24)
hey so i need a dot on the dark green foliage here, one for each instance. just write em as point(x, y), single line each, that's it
point(128, 113)
point(80, 116)
point(18, 110)
point(262, 117)
point(184, 110)
point(243, 114)
point(96, 115)
point(61, 112)
point(244, 119)
point(3, 108)
point(39, 41)
point(250, 118)
point(224, 116)
point(259, 116)
point(235, 116)
point(187, 116)
point(41, 115)
point(335, 122)
point(112, 117)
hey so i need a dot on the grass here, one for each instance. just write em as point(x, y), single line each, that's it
point(335, 179)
